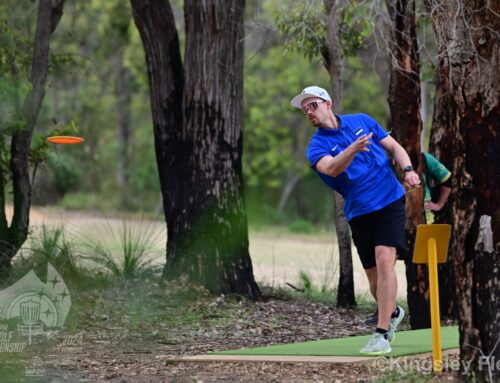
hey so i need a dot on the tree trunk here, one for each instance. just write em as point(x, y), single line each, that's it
point(13, 237)
point(291, 180)
point(440, 146)
point(332, 57)
point(118, 33)
point(404, 103)
point(345, 293)
point(423, 113)
point(123, 133)
point(156, 25)
point(198, 132)
point(469, 50)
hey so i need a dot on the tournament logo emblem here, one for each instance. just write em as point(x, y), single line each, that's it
point(30, 306)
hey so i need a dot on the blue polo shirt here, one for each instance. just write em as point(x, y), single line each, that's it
point(368, 183)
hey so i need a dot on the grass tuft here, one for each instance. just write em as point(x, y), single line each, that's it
point(49, 245)
point(128, 251)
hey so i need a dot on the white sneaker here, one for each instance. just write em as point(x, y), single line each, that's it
point(393, 325)
point(377, 345)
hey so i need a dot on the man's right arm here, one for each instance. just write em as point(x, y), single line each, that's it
point(444, 193)
point(333, 166)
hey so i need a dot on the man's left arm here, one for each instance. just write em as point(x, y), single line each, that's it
point(402, 159)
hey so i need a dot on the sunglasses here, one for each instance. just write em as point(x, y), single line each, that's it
point(312, 106)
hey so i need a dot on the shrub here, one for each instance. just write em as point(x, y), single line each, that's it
point(301, 226)
point(49, 245)
point(128, 253)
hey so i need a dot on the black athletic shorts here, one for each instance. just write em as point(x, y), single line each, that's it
point(384, 227)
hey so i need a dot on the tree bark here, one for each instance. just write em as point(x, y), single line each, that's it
point(440, 146)
point(406, 124)
point(198, 133)
point(469, 50)
point(13, 237)
point(345, 293)
point(332, 57)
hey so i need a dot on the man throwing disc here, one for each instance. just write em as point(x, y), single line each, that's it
point(349, 154)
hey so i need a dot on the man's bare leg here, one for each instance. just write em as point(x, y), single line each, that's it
point(387, 284)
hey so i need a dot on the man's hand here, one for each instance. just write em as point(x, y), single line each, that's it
point(433, 206)
point(361, 144)
point(412, 179)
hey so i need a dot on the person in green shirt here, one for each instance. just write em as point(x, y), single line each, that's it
point(437, 185)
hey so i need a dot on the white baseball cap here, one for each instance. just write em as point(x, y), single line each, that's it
point(310, 91)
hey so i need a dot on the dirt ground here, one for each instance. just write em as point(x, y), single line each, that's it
point(111, 344)
point(104, 350)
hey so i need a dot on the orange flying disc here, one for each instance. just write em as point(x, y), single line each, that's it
point(65, 140)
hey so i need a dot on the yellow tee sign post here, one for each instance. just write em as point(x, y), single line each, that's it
point(431, 247)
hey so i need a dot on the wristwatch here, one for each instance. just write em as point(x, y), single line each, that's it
point(408, 169)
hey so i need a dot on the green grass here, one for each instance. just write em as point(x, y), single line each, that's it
point(49, 244)
point(125, 251)
point(278, 256)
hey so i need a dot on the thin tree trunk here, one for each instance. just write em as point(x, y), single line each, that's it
point(119, 35)
point(404, 103)
point(123, 132)
point(440, 146)
point(291, 181)
point(469, 50)
point(332, 57)
point(423, 113)
point(13, 237)
point(345, 293)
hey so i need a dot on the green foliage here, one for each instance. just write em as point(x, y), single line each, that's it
point(260, 212)
point(81, 99)
point(92, 33)
point(276, 134)
point(128, 253)
point(17, 20)
point(65, 169)
point(305, 281)
point(301, 226)
point(39, 149)
point(309, 291)
point(362, 91)
point(304, 25)
point(88, 202)
point(12, 91)
point(355, 27)
point(49, 245)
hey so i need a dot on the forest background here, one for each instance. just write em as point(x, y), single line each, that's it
point(98, 88)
